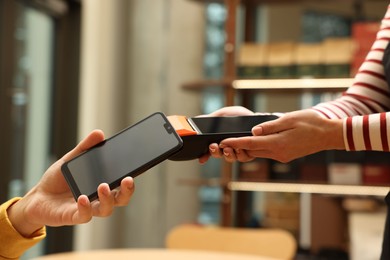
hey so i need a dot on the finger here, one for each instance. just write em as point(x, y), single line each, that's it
point(261, 154)
point(204, 158)
point(126, 190)
point(106, 201)
point(242, 143)
point(91, 140)
point(229, 154)
point(84, 213)
point(269, 127)
point(252, 142)
point(215, 151)
point(242, 155)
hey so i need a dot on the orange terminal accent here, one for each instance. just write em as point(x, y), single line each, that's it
point(181, 125)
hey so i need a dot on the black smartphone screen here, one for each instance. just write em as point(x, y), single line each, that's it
point(128, 153)
point(228, 124)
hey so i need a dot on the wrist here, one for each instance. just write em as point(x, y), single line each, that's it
point(19, 217)
point(336, 133)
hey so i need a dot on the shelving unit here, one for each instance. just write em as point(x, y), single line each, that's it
point(233, 87)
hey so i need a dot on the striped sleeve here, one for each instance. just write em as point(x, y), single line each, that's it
point(367, 132)
point(364, 106)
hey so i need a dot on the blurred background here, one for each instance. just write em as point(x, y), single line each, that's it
point(70, 66)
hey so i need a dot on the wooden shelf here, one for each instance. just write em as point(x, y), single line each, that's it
point(333, 189)
point(325, 84)
point(201, 84)
point(297, 187)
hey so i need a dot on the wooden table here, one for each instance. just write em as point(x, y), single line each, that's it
point(149, 254)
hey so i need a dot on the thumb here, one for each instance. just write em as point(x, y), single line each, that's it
point(266, 128)
point(88, 142)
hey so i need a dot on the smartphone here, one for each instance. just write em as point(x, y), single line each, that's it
point(206, 130)
point(128, 153)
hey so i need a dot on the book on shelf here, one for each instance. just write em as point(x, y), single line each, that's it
point(345, 167)
point(280, 60)
point(256, 170)
point(345, 173)
point(363, 35)
point(376, 174)
point(337, 57)
point(313, 168)
point(331, 58)
point(307, 60)
point(284, 171)
point(376, 168)
point(251, 61)
point(282, 211)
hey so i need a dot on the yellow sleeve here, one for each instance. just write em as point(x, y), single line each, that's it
point(13, 244)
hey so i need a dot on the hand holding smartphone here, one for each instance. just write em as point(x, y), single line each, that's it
point(128, 153)
point(198, 133)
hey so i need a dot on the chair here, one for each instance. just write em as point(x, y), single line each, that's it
point(275, 243)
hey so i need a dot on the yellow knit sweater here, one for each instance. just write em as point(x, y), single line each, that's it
point(13, 244)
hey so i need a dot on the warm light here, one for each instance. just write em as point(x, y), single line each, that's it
point(310, 188)
point(306, 83)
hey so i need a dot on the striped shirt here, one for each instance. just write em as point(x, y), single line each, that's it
point(365, 106)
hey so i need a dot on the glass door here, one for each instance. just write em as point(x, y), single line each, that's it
point(31, 98)
point(31, 101)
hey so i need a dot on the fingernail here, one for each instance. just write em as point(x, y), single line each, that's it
point(226, 153)
point(212, 150)
point(83, 201)
point(106, 192)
